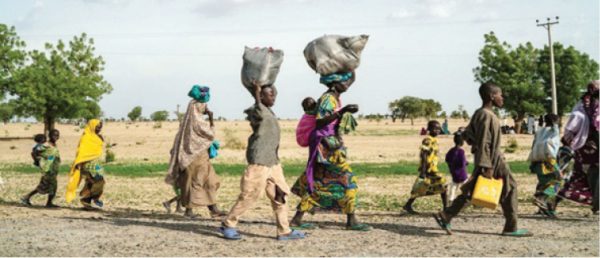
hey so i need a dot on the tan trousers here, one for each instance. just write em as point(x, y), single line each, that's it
point(257, 179)
point(199, 183)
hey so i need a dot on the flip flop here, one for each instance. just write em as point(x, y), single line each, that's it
point(359, 227)
point(294, 235)
point(230, 233)
point(167, 207)
point(519, 233)
point(308, 226)
point(98, 203)
point(443, 224)
point(26, 202)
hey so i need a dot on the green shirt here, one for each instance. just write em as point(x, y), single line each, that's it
point(50, 160)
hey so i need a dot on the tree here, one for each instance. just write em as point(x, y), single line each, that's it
point(159, 116)
point(431, 108)
point(7, 111)
point(135, 113)
point(407, 107)
point(573, 72)
point(516, 72)
point(64, 81)
point(12, 57)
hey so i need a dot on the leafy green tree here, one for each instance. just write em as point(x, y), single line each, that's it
point(159, 116)
point(7, 112)
point(573, 72)
point(64, 81)
point(431, 108)
point(407, 107)
point(12, 56)
point(516, 72)
point(135, 113)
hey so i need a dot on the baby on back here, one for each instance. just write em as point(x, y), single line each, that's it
point(307, 123)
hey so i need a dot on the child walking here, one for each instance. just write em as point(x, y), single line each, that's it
point(543, 158)
point(457, 164)
point(483, 134)
point(47, 158)
point(430, 180)
point(264, 172)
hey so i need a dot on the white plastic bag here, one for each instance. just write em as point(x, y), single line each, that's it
point(333, 53)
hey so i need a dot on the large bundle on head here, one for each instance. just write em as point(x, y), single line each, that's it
point(332, 53)
point(261, 65)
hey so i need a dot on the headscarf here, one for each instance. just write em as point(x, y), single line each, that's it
point(194, 137)
point(335, 77)
point(578, 127)
point(200, 93)
point(90, 148)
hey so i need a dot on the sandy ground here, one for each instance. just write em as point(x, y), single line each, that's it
point(134, 224)
point(373, 142)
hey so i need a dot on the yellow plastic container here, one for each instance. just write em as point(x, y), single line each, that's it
point(487, 192)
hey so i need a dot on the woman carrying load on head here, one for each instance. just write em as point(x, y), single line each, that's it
point(328, 184)
point(581, 134)
point(190, 170)
point(87, 167)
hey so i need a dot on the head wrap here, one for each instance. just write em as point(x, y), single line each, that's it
point(90, 148)
point(335, 77)
point(200, 93)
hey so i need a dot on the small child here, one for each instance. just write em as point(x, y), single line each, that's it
point(457, 164)
point(307, 123)
point(430, 180)
point(544, 164)
point(38, 148)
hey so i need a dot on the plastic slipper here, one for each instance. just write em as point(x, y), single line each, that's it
point(519, 233)
point(305, 226)
point(443, 224)
point(295, 234)
point(26, 202)
point(98, 203)
point(230, 233)
point(359, 227)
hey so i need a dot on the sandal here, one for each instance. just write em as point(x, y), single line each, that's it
point(98, 203)
point(359, 227)
point(294, 235)
point(217, 215)
point(443, 224)
point(230, 233)
point(518, 233)
point(167, 207)
point(308, 226)
point(26, 202)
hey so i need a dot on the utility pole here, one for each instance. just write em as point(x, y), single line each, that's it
point(548, 26)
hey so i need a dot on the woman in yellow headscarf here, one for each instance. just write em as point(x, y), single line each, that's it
point(87, 167)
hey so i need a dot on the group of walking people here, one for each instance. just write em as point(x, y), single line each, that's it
point(329, 183)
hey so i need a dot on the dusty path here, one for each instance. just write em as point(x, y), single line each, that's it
point(133, 224)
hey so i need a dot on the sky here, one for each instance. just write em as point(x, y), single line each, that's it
point(155, 50)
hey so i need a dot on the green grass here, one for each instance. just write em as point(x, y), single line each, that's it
point(290, 169)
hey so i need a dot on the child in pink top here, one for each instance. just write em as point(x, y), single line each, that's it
point(307, 123)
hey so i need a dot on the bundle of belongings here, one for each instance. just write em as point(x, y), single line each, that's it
point(331, 54)
point(261, 65)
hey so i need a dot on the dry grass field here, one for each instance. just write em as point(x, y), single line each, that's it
point(133, 223)
point(374, 142)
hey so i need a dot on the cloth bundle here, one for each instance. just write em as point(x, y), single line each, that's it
point(545, 144)
point(260, 65)
point(333, 53)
